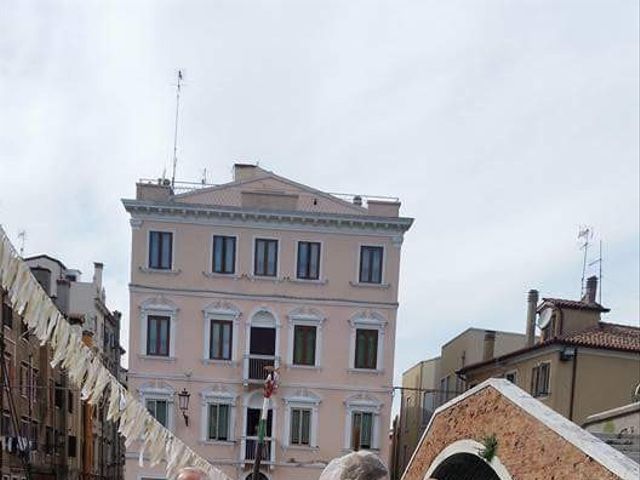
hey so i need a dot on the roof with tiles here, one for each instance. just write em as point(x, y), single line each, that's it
point(607, 336)
point(572, 304)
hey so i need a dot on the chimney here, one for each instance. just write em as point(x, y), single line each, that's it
point(357, 200)
point(244, 171)
point(97, 275)
point(591, 290)
point(532, 306)
point(489, 345)
point(62, 299)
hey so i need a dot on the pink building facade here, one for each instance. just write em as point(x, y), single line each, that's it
point(263, 271)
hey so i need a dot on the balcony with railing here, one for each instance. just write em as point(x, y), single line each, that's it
point(249, 449)
point(256, 367)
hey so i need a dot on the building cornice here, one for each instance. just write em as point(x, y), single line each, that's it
point(180, 211)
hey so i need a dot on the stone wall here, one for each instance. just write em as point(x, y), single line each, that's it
point(526, 447)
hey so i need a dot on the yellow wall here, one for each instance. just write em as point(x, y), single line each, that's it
point(604, 379)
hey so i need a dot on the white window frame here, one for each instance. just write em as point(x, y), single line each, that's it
point(226, 312)
point(367, 404)
point(310, 318)
point(548, 393)
point(302, 399)
point(217, 395)
point(160, 393)
point(368, 321)
point(320, 278)
point(163, 308)
point(209, 269)
point(253, 257)
point(173, 233)
point(383, 273)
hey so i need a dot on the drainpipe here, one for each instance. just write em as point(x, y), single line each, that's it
point(573, 382)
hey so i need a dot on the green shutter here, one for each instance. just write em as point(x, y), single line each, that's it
point(213, 422)
point(295, 426)
point(305, 427)
point(223, 422)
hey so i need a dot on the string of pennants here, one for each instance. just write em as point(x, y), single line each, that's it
point(87, 372)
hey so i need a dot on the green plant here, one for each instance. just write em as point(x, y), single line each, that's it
point(490, 447)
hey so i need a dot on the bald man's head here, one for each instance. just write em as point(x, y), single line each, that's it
point(192, 474)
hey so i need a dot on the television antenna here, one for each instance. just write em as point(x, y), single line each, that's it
point(598, 261)
point(585, 236)
point(175, 131)
point(22, 237)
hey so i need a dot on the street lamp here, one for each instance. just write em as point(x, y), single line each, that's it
point(183, 404)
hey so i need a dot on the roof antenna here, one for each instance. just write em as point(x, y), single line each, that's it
point(585, 233)
point(22, 236)
point(175, 132)
point(599, 262)
point(204, 177)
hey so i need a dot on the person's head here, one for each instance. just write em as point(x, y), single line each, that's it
point(191, 474)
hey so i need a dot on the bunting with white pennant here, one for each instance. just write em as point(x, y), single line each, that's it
point(86, 371)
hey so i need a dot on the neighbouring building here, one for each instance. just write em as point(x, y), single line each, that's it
point(580, 365)
point(418, 400)
point(618, 427)
point(497, 431)
point(432, 382)
point(68, 438)
point(263, 271)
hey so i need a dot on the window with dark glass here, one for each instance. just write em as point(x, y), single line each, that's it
point(160, 250)
point(218, 422)
point(48, 440)
point(366, 349)
point(7, 315)
point(220, 340)
point(69, 401)
point(7, 426)
point(266, 257)
point(308, 260)
point(57, 393)
point(71, 446)
point(371, 264)
point(224, 254)
point(158, 332)
point(300, 426)
point(159, 410)
point(361, 430)
point(540, 380)
point(35, 427)
point(304, 345)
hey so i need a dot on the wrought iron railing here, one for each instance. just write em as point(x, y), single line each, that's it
point(249, 449)
point(255, 366)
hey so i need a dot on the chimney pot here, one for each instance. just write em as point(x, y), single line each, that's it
point(591, 290)
point(97, 275)
point(532, 306)
point(489, 345)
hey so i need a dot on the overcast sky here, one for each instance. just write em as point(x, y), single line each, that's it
point(502, 126)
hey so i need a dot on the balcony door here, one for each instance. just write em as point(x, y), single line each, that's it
point(263, 341)
point(252, 412)
point(262, 346)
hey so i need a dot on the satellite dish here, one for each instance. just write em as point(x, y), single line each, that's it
point(545, 317)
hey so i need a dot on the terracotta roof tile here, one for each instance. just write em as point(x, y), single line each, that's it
point(572, 304)
point(606, 335)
